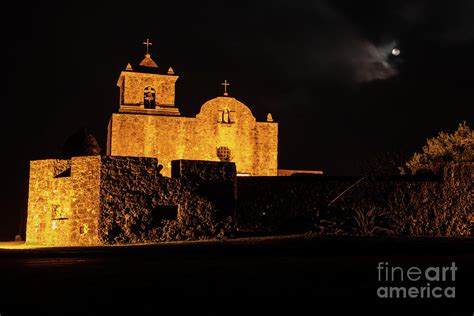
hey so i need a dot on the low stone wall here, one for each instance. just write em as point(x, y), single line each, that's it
point(137, 203)
point(111, 199)
point(402, 205)
point(214, 181)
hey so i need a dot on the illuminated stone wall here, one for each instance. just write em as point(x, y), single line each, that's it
point(133, 84)
point(222, 122)
point(63, 201)
point(94, 200)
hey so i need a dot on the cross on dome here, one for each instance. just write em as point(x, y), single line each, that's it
point(225, 84)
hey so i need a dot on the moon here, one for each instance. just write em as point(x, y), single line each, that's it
point(395, 51)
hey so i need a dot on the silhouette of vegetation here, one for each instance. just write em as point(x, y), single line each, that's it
point(442, 149)
point(81, 143)
point(370, 222)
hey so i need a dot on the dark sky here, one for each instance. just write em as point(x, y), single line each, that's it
point(323, 69)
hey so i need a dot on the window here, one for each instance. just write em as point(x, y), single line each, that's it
point(63, 170)
point(224, 154)
point(64, 174)
point(167, 212)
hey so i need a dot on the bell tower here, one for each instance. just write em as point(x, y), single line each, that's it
point(146, 89)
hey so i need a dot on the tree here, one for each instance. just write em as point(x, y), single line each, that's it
point(81, 143)
point(442, 149)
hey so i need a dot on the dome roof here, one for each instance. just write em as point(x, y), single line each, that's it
point(219, 103)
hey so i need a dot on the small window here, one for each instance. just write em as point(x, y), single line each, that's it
point(63, 169)
point(167, 212)
point(64, 174)
point(224, 154)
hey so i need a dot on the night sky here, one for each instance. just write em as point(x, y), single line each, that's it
point(325, 70)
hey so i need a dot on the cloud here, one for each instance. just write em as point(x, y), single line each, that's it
point(372, 62)
point(335, 49)
point(351, 42)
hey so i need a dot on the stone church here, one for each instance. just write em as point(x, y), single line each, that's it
point(162, 172)
point(149, 124)
point(170, 177)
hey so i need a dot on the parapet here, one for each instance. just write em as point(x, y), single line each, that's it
point(203, 170)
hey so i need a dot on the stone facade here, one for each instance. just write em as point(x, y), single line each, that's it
point(149, 125)
point(140, 205)
point(63, 201)
point(223, 123)
point(121, 197)
point(133, 84)
point(97, 200)
point(420, 205)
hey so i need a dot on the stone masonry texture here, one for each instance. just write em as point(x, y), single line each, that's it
point(253, 145)
point(133, 193)
point(414, 205)
point(63, 201)
point(95, 200)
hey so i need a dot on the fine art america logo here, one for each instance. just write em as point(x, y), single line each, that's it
point(416, 282)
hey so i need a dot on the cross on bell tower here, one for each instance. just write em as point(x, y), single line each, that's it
point(147, 61)
point(148, 44)
point(145, 88)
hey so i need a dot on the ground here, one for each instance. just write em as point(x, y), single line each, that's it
point(335, 272)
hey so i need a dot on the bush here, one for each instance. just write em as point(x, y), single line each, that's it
point(438, 151)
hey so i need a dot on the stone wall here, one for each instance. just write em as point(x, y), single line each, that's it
point(132, 86)
point(267, 203)
point(93, 200)
point(63, 201)
point(253, 145)
point(136, 200)
point(458, 198)
point(406, 205)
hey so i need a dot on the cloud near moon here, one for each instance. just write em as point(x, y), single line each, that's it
point(359, 43)
point(339, 52)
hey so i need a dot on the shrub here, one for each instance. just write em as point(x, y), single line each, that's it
point(455, 147)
